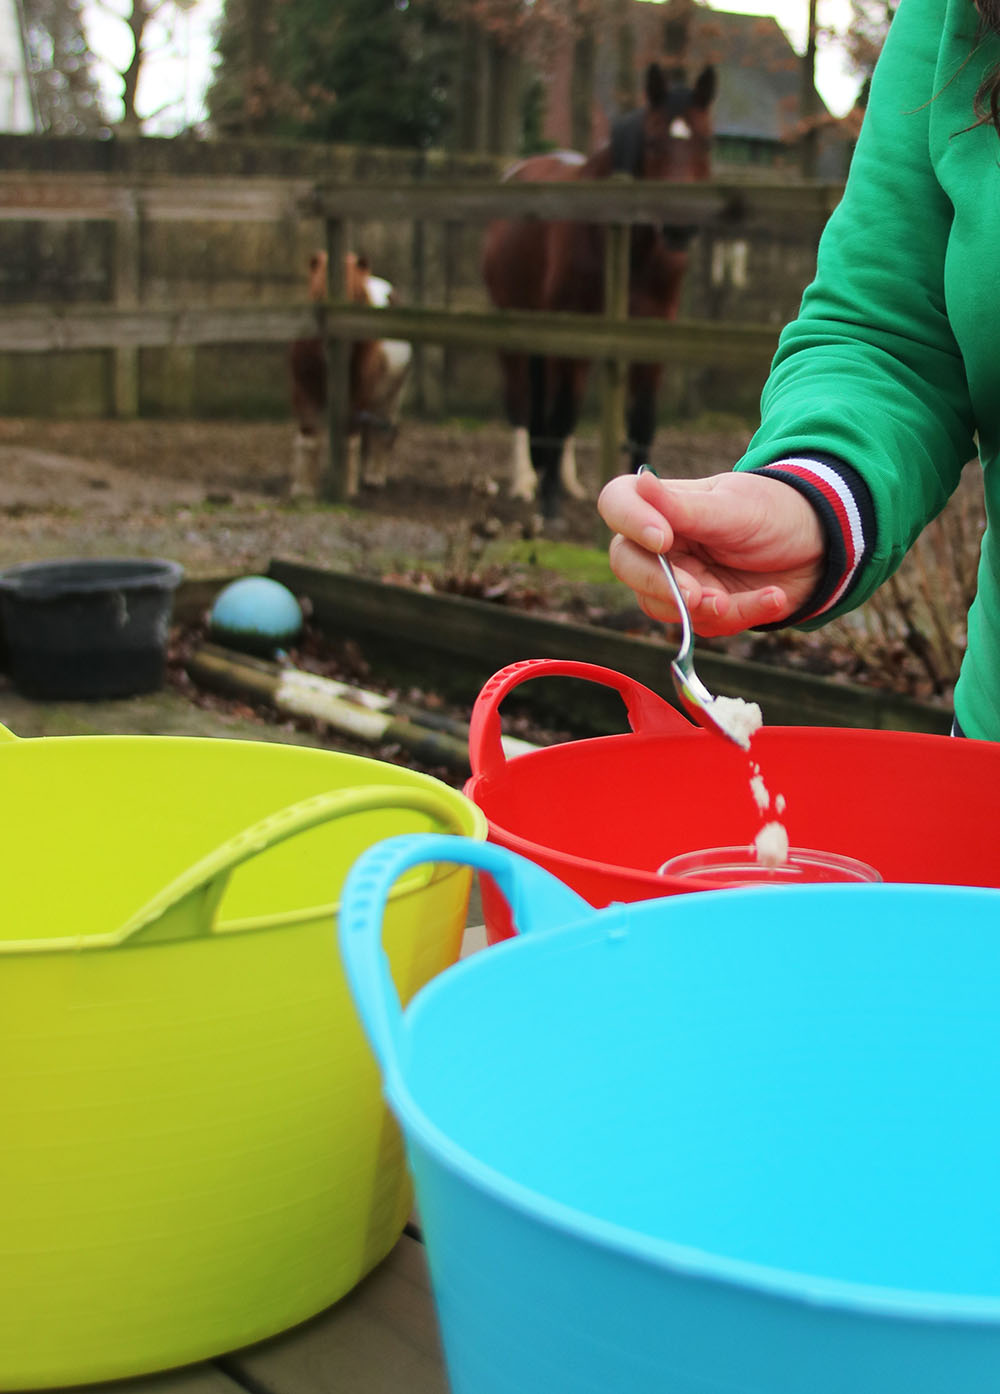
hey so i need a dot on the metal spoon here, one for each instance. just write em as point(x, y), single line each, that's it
point(714, 713)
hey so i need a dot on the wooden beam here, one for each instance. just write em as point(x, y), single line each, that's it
point(96, 197)
point(478, 639)
point(739, 206)
point(574, 336)
point(54, 328)
point(47, 329)
point(613, 369)
point(334, 484)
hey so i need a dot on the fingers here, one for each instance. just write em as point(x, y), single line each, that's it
point(628, 506)
point(714, 611)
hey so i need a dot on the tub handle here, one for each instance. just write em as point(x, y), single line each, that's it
point(537, 899)
point(197, 892)
point(6, 734)
point(648, 713)
point(193, 897)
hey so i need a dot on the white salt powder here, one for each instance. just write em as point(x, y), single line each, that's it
point(737, 718)
point(771, 845)
point(759, 790)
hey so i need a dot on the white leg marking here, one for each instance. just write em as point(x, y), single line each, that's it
point(523, 480)
point(567, 470)
point(304, 482)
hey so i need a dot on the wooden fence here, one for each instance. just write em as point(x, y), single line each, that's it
point(731, 208)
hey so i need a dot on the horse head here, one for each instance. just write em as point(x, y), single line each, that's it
point(671, 136)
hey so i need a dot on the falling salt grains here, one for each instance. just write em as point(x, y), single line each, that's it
point(759, 790)
point(771, 844)
point(739, 720)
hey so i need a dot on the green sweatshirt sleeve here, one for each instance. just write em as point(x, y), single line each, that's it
point(869, 372)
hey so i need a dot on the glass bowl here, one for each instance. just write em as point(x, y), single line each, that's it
point(738, 866)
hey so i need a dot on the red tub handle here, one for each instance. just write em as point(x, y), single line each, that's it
point(648, 713)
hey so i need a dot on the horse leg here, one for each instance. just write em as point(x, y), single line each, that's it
point(304, 481)
point(517, 405)
point(568, 476)
point(640, 420)
point(566, 378)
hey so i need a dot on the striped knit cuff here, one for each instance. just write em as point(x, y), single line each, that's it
point(844, 506)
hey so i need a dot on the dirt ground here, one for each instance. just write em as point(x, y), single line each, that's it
point(212, 495)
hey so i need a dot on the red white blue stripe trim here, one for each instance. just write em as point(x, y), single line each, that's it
point(836, 492)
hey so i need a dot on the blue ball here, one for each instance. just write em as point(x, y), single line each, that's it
point(256, 613)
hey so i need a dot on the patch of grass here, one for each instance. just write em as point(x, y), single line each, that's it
point(587, 565)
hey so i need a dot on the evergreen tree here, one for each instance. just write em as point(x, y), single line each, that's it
point(375, 72)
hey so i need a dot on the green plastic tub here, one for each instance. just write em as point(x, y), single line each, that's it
point(194, 1153)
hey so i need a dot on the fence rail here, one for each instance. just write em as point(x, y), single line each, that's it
point(738, 205)
point(728, 208)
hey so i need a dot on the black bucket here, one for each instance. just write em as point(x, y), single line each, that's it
point(87, 629)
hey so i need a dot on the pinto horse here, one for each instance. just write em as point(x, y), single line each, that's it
point(533, 265)
point(378, 372)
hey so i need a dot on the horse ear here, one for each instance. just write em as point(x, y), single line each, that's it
point(656, 85)
point(705, 88)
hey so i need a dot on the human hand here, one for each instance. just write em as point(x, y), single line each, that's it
point(746, 549)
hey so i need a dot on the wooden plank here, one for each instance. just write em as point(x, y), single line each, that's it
point(127, 290)
point(745, 204)
point(48, 329)
point(335, 485)
point(730, 204)
point(381, 1338)
point(193, 1379)
point(613, 370)
point(709, 342)
point(480, 638)
point(47, 197)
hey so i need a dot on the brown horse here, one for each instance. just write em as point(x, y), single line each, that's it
point(378, 373)
point(560, 266)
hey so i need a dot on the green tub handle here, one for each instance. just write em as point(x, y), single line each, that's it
point(6, 734)
point(186, 908)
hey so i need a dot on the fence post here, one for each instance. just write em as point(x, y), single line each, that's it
point(127, 292)
point(418, 283)
point(616, 274)
point(334, 483)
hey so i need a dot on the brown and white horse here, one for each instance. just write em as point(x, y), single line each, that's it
point(378, 372)
point(532, 265)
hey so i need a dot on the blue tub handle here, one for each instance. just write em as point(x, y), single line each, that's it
point(537, 899)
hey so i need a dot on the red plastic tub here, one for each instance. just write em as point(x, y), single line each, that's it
point(603, 814)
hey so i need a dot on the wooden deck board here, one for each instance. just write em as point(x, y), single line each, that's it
point(381, 1338)
point(195, 1379)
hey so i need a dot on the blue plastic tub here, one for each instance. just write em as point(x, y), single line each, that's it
point(743, 1141)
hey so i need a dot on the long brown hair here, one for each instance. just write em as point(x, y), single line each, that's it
point(986, 103)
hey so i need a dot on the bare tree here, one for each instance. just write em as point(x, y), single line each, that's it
point(62, 68)
point(153, 29)
point(870, 20)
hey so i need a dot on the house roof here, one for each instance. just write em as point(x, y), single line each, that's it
point(759, 71)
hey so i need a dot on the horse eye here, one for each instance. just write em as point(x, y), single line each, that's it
point(679, 129)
